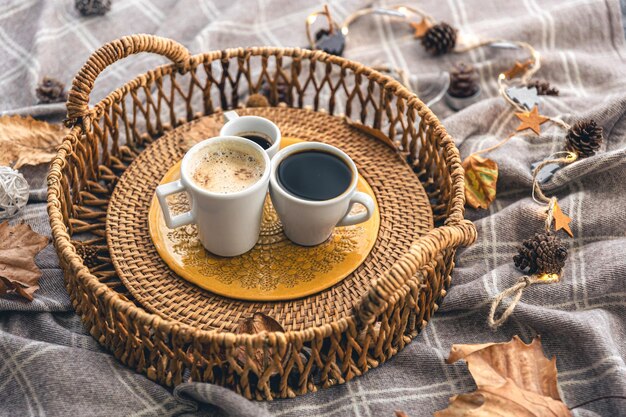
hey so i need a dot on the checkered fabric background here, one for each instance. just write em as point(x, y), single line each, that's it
point(50, 366)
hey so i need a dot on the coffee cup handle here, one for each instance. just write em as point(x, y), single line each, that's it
point(351, 219)
point(230, 115)
point(162, 192)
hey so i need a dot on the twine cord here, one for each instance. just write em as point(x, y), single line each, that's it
point(313, 17)
point(565, 158)
point(518, 288)
point(401, 11)
point(515, 291)
point(496, 146)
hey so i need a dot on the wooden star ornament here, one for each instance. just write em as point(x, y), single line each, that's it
point(518, 69)
point(420, 28)
point(531, 120)
point(561, 220)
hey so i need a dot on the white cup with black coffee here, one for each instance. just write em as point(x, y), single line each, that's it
point(254, 128)
point(226, 178)
point(313, 188)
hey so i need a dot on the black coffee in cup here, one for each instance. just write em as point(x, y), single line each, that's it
point(258, 138)
point(314, 175)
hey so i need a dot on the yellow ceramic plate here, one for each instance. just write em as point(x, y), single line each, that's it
point(275, 269)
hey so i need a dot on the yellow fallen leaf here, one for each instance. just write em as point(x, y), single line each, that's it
point(481, 176)
point(514, 379)
point(26, 141)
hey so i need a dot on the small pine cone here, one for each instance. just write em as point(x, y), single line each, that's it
point(51, 91)
point(584, 138)
point(257, 100)
point(544, 253)
point(543, 88)
point(282, 92)
point(463, 81)
point(89, 253)
point(92, 7)
point(439, 39)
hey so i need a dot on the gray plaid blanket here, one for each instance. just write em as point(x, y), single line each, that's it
point(50, 366)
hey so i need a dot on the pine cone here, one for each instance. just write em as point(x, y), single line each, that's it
point(439, 39)
point(51, 91)
point(543, 253)
point(282, 92)
point(584, 138)
point(331, 43)
point(257, 100)
point(92, 7)
point(543, 88)
point(463, 81)
point(89, 253)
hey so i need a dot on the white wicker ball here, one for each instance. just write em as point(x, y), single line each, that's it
point(13, 192)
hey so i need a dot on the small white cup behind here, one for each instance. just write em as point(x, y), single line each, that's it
point(253, 126)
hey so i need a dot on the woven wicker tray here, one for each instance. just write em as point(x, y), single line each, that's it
point(389, 303)
point(402, 201)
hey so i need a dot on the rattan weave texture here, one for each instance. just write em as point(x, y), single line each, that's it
point(405, 211)
point(105, 139)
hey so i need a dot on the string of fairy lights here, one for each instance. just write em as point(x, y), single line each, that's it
point(542, 255)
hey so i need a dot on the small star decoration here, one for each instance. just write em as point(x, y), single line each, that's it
point(518, 69)
point(420, 28)
point(531, 120)
point(561, 220)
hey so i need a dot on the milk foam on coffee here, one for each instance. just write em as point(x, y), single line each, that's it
point(226, 169)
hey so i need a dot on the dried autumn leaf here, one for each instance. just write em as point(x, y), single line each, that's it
point(370, 131)
point(513, 379)
point(258, 323)
point(481, 176)
point(26, 141)
point(18, 246)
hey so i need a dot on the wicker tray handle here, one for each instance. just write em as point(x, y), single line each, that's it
point(420, 254)
point(78, 97)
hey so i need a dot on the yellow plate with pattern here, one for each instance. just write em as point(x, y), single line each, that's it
point(275, 269)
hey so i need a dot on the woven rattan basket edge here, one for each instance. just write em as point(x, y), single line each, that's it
point(456, 231)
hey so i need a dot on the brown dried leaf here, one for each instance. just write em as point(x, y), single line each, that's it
point(370, 131)
point(513, 379)
point(481, 176)
point(18, 246)
point(26, 141)
point(191, 133)
point(258, 323)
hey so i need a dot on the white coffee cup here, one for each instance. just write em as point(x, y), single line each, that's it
point(228, 223)
point(311, 222)
point(245, 125)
